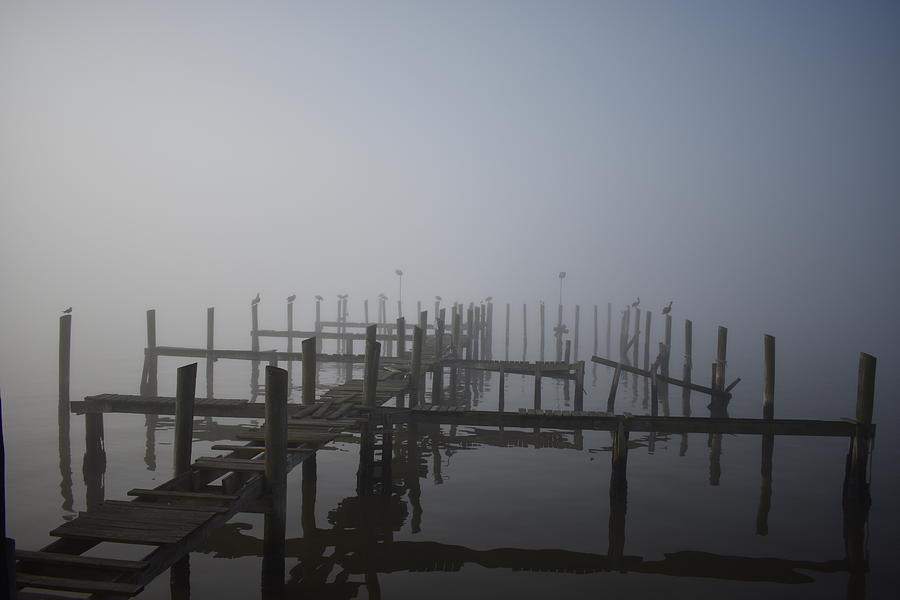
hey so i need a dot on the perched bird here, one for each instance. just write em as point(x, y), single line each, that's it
point(636, 302)
point(382, 296)
point(667, 309)
point(398, 272)
point(292, 297)
point(438, 298)
point(255, 300)
point(68, 311)
point(489, 298)
point(319, 298)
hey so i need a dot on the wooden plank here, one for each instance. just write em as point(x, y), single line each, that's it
point(77, 585)
point(91, 562)
point(164, 506)
point(229, 464)
point(177, 494)
point(642, 373)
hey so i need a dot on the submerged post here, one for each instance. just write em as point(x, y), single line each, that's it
point(401, 338)
point(686, 368)
point(769, 386)
point(542, 330)
point(185, 393)
point(537, 387)
point(575, 334)
point(370, 375)
point(210, 347)
point(501, 403)
point(416, 367)
point(579, 385)
point(152, 359)
point(308, 376)
point(506, 344)
point(856, 478)
point(721, 355)
point(274, 526)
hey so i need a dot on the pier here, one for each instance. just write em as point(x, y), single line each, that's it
point(188, 512)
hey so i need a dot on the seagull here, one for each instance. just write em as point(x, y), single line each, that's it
point(636, 302)
point(68, 311)
point(438, 298)
point(398, 272)
point(319, 298)
point(667, 309)
point(382, 296)
point(562, 274)
point(292, 297)
point(255, 300)
point(489, 298)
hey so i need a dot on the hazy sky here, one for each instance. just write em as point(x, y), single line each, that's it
point(741, 158)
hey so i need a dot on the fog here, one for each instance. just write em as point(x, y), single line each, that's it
point(740, 159)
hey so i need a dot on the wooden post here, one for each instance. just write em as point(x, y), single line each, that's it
point(611, 400)
point(568, 353)
point(637, 335)
point(608, 327)
point(618, 493)
point(524, 332)
point(65, 343)
point(648, 317)
point(254, 322)
point(559, 333)
point(437, 375)
point(275, 465)
point(687, 368)
point(502, 400)
point(370, 375)
point(506, 344)
point(415, 371)
point(290, 326)
point(721, 350)
point(454, 333)
point(152, 377)
point(8, 548)
point(210, 347)
point(537, 387)
point(542, 330)
point(366, 310)
point(470, 329)
point(308, 377)
point(856, 479)
point(185, 392)
point(596, 330)
point(348, 352)
point(668, 342)
point(477, 333)
point(654, 391)
point(401, 338)
point(769, 386)
point(623, 336)
point(94, 459)
point(579, 385)
point(423, 324)
point(318, 325)
point(577, 327)
point(489, 332)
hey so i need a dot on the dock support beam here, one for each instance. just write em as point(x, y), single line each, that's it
point(370, 375)
point(185, 393)
point(308, 377)
point(274, 525)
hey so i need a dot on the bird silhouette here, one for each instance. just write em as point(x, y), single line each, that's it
point(255, 300)
point(489, 298)
point(292, 297)
point(667, 309)
point(382, 296)
point(398, 272)
point(68, 311)
point(319, 298)
point(636, 302)
point(438, 298)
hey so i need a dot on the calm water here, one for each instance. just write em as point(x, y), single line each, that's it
point(502, 513)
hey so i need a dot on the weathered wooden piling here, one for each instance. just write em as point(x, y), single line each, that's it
point(537, 387)
point(648, 317)
point(687, 367)
point(721, 356)
point(596, 330)
point(290, 325)
point(637, 335)
point(856, 481)
point(401, 338)
point(254, 326)
point(608, 328)
point(366, 310)
point(524, 332)
point(506, 338)
point(318, 337)
point(470, 328)
point(501, 403)
point(769, 379)
point(8, 548)
point(667, 339)
point(613, 388)
point(185, 392)
point(623, 336)
point(210, 347)
point(370, 375)
point(618, 495)
point(559, 332)
point(437, 375)
point(579, 385)
point(275, 468)
point(415, 371)
point(575, 333)
point(65, 343)
point(489, 332)
point(477, 333)
point(542, 329)
point(308, 376)
point(151, 387)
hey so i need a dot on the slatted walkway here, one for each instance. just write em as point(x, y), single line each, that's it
point(177, 515)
